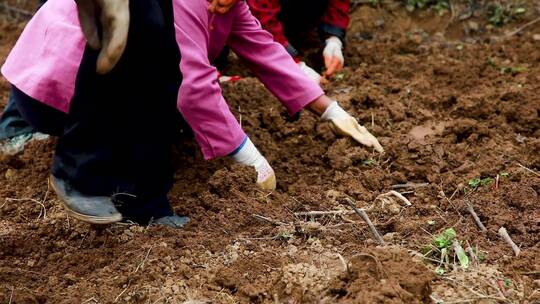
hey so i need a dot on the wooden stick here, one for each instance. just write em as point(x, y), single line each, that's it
point(476, 218)
point(504, 234)
point(522, 166)
point(409, 185)
point(362, 213)
point(523, 27)
point(396, 194)
point(322, 213)
point(264, 218)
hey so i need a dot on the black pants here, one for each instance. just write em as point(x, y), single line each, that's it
point(11, 122)
point(118, 135)
point(296, 28)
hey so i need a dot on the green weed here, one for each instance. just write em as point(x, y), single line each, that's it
point(438, 5)
point(500, 15)
point(477, 182)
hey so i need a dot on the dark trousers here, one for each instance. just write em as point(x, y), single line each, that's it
point(295, 27)
point(118, 135)
point(11, 122)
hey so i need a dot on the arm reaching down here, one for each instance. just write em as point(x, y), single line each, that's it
point(200, 99)
point(270, 62)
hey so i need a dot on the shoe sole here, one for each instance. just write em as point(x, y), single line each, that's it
point(98, 220)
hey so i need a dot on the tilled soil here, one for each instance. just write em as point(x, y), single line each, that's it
point(446, 111)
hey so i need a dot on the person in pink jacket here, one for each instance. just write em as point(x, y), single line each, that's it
point(116, 130)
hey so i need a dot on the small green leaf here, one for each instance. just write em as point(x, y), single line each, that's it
point(444, 240)
point(462, 256)
point(504, 174)
point(439, 271)
point(369, 162)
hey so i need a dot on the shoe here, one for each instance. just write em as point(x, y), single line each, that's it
point(14, 145)
point(173, 221)
point(91, 209)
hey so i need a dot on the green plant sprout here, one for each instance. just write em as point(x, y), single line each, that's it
point(477, 182)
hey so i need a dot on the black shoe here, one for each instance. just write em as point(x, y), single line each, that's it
point(144, 211)
point(173, 221)
point(91, 209)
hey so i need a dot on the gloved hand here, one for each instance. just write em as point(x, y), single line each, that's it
point(114, 18)
point(249, 155)
point(333, 56)
point(309, 72)
point(347, 125)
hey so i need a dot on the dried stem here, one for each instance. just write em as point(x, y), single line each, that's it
point(323, 213)
point(518, 30)
point(530, 170)
point(267, 219)
point(409, 185)
point(362, 213)
point(504, 234)
point(476, 218)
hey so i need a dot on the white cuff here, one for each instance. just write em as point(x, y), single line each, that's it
point(334, 111)
point(249, 155)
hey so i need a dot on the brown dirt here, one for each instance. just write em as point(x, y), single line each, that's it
point(396, 81)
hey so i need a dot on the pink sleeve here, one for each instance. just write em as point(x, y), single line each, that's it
point(271, 62)
point(199, 99)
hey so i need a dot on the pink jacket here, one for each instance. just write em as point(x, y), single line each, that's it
point(45, 61)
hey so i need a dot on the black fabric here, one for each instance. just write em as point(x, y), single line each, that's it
point(300, 17)
point(11, 122)
point(121, 126)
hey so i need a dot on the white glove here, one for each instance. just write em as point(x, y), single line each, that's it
point(113, 16)
point(347, 125)
point(249, 155)
point(333, 55)
point(309, 72)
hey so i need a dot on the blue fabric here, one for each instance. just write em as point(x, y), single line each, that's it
point(239, 147)
point(327, 30)
point(12, 123)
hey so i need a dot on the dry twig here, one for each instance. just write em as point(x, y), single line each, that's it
point(141, 265)
point(323, 213)
point(506, 237)
point(409, 185)
point(476, 218)
point(387, 197)
point(362, 213)
point(267, 219)
point(530, 170)
point(521, 28)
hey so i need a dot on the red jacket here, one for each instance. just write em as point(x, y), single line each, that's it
point(334, 22)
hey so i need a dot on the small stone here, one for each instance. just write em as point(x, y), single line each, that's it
point(536, 37)
point(474, 26)
point(10, 174)
point(379, 22)
point(389, 237)
point(70, 278)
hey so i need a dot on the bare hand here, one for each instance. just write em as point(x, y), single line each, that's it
point(220, 6)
